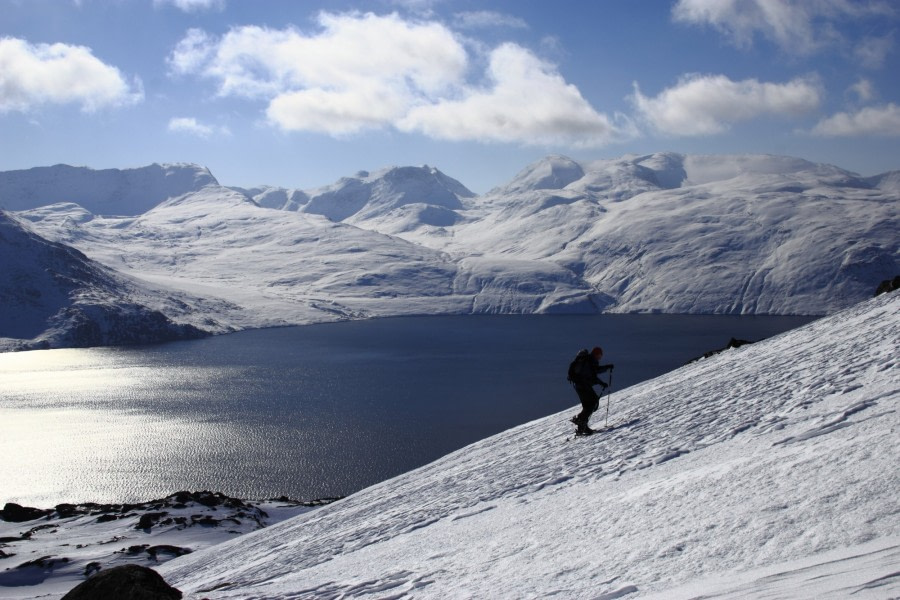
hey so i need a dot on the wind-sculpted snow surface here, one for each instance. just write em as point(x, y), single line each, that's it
point(657, 233)
point(768, 470)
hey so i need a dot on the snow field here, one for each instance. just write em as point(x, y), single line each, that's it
point(765, 457)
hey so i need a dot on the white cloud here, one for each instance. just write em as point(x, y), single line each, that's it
point(337, 112)
point(34, 75)
point(192, 126)
point(488, 18)
point(863, 90)
point(367, 53)
point(872, 51)
point(192, 53)
point(875, 120)
point(193, 5)
point(362, 71)
point(801, 27)
point(709, 104)
point(528, 102)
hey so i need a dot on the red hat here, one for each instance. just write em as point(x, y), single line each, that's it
point(597, 351)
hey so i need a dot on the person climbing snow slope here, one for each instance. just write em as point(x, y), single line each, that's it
point(584, 374)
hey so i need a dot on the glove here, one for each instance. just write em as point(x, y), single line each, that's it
point(611, 367)
point(604, 385)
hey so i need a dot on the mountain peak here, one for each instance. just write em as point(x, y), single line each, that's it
point(552, 172)
point(367, 195)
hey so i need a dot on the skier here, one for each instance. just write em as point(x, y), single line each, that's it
point(585, 370)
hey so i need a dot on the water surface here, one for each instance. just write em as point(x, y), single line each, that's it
point(313, 411)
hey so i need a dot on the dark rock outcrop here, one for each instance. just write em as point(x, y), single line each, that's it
point(888, 285)
point(732, 343)
point(15, 513)
point(127, 582)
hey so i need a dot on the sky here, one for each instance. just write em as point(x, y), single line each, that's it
point(298, 93)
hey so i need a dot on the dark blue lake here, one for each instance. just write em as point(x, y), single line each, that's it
point(314, 411)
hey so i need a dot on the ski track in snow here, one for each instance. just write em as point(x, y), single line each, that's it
point(760, 456)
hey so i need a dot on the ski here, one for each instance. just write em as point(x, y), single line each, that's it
point(605, 428)
point(581, 435)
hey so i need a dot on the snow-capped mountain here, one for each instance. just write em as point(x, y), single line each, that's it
point(102, 192)
point(272, 267)
point(765, 471)
point(696, 234)
point(664, 232)
point(392, 200)
point(52, 296)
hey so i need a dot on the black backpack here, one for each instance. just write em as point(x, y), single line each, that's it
point(576, 367)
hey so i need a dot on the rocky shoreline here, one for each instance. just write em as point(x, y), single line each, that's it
point(50, 551)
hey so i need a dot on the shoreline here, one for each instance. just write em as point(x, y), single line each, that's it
point(50, 551)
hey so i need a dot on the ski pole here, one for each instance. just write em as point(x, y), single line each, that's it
point(608, 395)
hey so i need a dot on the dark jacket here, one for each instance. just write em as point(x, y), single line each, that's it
point(588, 375)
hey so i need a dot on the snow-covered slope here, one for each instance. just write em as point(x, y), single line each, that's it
point(52, 295)
point(765, 471)
point(697, 234)
point(278, 267)
point(102, 192)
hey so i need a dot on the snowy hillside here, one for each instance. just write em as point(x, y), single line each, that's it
point(656, 233)
point(276, 267)
point(743, 234)
point(697, 234)
point(52, 295)
point(765, 471)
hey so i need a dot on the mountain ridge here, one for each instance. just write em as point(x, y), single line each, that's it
point(103, 192)
point(663, 232)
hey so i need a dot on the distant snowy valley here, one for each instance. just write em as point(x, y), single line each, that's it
point(97, 257)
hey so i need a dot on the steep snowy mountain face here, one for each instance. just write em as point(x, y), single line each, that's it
point(656, 233)
point(52, 295)
point(888, 182)
point(767, 471)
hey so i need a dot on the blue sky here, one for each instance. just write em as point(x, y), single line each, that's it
point(300, 93)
